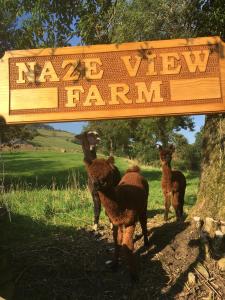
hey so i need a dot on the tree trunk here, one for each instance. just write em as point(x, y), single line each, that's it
point(211, 195)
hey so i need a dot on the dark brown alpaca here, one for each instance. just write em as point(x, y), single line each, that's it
point(89, 140)
point(173, 183)
point(125, 204)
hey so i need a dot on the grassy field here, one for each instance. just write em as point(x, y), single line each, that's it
point(55, 139)
point(51, 186)
point(46, 241)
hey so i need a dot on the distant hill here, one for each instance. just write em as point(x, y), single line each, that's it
point(55, 139)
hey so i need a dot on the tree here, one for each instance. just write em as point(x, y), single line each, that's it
point(8, 134)
point(137, 138)
point(210, 200)
point(116, 135)
point(132, 21)
point(207, 18)
point(139, 20)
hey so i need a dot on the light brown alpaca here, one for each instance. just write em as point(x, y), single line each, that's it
point(89, 140)
point(173, 183)
point(125, 204)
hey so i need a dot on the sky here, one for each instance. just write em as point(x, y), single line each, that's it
point(76, 127)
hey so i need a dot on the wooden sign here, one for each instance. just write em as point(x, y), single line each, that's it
point(172, 77)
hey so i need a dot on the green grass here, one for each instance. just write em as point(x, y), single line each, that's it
point(42, 169)
point(51, 187)
point(50, 210)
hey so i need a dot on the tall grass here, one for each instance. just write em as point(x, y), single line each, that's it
point(71, 207)
point(42, 196)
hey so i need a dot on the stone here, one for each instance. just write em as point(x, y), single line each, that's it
point(221, 264)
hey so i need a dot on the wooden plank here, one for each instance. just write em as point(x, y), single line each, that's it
point(152, 78)
point(27, 98)
point(195, 89)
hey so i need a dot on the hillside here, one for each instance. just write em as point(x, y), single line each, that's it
point(56, 140)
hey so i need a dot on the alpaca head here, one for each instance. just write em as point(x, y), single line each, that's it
point(165, 154)
point(101, 173)
point(89, 139)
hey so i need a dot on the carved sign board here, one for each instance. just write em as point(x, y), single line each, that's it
point(171, 77)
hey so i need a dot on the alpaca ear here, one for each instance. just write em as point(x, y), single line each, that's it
point(111, 160)
point(81, 136)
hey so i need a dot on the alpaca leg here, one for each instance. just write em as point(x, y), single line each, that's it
point(118, 238)
point(167, 197)
point(111, 224)
point(97, 209)
point(181, 203)
point(143, 221)
point(177, 205)
point(128, 247)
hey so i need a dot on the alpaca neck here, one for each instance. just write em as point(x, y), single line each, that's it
point(89, 154)
point(108, 200)
point(166, 171)
point(167, 176)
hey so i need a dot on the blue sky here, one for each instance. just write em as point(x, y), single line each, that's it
point(76, 127)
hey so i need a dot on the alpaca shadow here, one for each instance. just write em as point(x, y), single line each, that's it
point(154, 278)
point(150, 214)
point(178, 286)
point(161, 236)
point(153, 212)
point(45, 261)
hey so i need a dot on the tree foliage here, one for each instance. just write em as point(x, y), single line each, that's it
point(137, 138)
point(140, 20)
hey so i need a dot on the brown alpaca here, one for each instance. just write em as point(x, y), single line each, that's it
point(89, 140)
point(173, 183)
point(124, 204)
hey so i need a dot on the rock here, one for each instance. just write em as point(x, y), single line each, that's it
point(222, 228)
point(201, 269)
point(198, 222)
point(191, 279)
point(209, 226)
point(221, 264)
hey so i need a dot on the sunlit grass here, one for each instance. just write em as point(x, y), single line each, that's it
point(34, 188)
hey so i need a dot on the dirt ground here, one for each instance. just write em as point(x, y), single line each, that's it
point(72, 265)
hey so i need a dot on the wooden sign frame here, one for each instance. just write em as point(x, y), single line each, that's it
point(154, 78)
